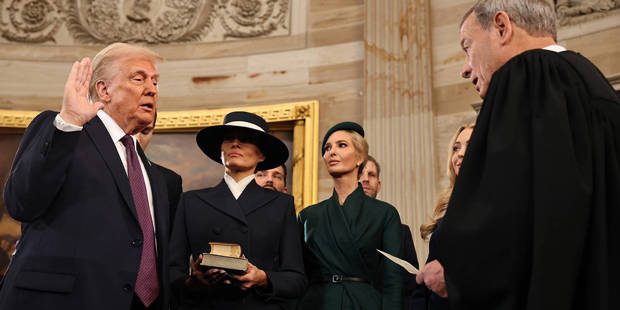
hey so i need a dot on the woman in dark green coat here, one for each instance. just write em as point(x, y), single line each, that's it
point(342, 234)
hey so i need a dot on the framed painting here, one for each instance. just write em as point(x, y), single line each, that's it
point(294, 123)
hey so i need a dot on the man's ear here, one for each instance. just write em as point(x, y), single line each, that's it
point(503, 27)
point(101, 87)
point(378, 187)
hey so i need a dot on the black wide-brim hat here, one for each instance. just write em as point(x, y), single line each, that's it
point(210, 139)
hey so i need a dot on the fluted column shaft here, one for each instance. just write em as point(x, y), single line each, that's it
point(398, 115)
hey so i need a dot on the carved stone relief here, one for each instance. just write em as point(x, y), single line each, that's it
point(145, 21)
point(30, 21)
point(104, 21)
point(572, 12)
point(251, 18)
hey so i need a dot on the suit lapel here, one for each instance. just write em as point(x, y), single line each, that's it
point(254, 197)
point(223, 200)
point(102, 141)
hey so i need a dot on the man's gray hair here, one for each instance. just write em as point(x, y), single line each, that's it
point(537, 17)
point(102, 63)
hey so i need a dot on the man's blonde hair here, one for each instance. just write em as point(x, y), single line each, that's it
point(104, 61)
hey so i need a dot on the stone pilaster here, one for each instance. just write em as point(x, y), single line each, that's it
point(398, 115)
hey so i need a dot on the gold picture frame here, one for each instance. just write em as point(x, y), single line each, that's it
point(300, 117)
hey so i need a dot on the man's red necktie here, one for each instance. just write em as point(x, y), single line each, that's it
point(147, 283)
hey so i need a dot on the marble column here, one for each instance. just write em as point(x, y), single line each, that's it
point(398, 115)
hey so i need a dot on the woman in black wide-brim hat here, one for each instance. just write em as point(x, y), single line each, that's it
point(342, 234)
point(239, 211)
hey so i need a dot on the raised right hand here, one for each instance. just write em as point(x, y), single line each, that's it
point(76, 109)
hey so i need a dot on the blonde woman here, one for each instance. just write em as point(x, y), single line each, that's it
point(342, 234)
point(435, 292)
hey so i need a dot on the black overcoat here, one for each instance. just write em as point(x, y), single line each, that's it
point(262, 221)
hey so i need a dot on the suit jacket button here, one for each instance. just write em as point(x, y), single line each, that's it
point(126, 288)
point(46, 147)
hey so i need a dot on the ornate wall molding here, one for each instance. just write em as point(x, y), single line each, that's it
point(251, 18)
point(16, 119)
point(30, 21)
point(103, 21)
point(572, 12)
point(195, 119)
point(141, 21)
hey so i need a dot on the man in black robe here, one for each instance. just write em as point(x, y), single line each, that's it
point(534, 217)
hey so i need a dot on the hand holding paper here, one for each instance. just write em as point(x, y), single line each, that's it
point(432, 276)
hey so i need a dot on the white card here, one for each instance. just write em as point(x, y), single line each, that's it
point(401, 262)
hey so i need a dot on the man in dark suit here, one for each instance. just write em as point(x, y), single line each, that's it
point(94, 212)
point(368, 176)
point(238, 211)
point(273, 179)
point(174, 182)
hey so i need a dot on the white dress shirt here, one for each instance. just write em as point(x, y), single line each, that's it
point(555, 48)
point(237, 187)
point(116, 133)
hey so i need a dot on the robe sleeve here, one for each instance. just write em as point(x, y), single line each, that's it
point(516, 227)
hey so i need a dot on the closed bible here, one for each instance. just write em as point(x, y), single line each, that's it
point(225, 256)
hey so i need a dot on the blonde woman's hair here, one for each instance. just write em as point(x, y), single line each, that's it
point(360, 144)
point(103, 62)
point(444, 196)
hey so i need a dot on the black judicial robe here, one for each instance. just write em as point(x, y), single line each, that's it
point(534, 218)
point(342, 240)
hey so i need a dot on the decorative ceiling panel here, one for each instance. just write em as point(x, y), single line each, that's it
point(70, 22)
